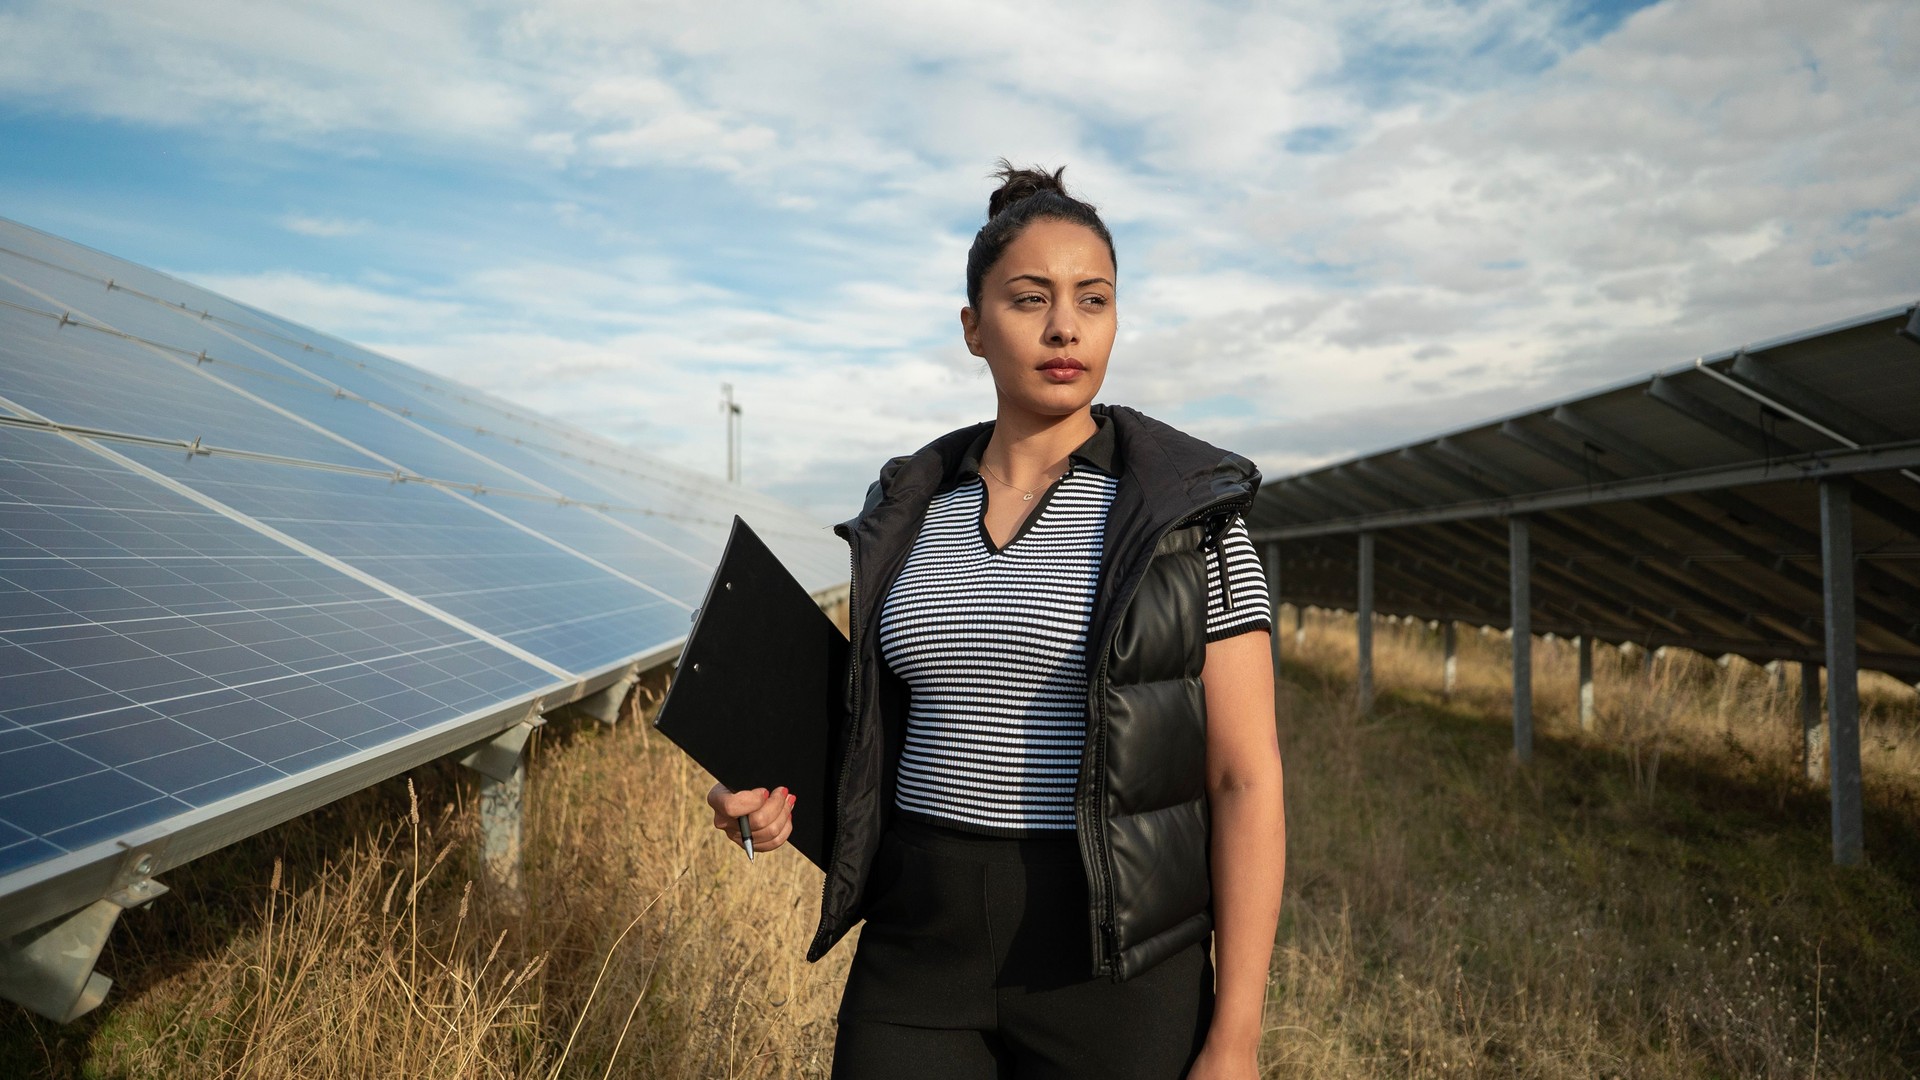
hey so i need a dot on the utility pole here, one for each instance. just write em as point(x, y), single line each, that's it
point(732, 409)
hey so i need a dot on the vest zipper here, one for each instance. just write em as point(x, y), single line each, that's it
point(1215, 539)
point(1106, 945)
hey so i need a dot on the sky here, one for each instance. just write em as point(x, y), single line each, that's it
point(1340, 224)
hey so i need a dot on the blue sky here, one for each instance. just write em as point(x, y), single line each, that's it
point(1340, 224)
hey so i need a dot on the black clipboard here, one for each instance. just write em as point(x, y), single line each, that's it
point(761, 686)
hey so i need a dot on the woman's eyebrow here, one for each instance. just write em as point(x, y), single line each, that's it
point(1035, 278)
point(1039, 279)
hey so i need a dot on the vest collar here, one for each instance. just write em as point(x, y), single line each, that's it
point(1176, 473)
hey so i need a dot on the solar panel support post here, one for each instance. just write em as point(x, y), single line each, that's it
point(1363, 625)
point(1273, 601)
point(1299, 624)
point(1585, 642)
point(502, 764)
point(49, 969)
point(1843, 687)
point(1521, 615)
point(1450, 663)
point(1813, 736)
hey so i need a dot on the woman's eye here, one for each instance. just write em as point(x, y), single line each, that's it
point(1096, 300)
point(1030, 299)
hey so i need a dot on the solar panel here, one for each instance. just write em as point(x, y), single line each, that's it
point(160, 657)
point(96, 380)
point(246, 567)
point(450, 551)
point(1679, 509)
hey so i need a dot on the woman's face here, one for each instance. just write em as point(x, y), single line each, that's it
point(1046, 319)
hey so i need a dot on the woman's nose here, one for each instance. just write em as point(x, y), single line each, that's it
point(1061, 329)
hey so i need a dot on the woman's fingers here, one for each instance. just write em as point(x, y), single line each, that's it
point(771, 830)
point(773, 835)
point(769, 814)
point(736, 803)
point(786, 830)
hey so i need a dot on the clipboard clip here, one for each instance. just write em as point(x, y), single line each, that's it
point(680, 660)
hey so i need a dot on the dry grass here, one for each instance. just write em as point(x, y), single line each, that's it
point(1651, 899)
point(1654, 898)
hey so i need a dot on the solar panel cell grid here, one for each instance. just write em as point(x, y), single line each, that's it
point(47, 372)
point(431, 545)
point(681, 576)
point(77, 376)
point(73, 264)
point(155, 655)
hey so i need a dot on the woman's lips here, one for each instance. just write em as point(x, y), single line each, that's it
point(1063, 369)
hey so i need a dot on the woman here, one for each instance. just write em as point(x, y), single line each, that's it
point(1059, 780)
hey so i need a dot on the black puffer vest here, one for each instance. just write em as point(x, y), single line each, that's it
point(1141, 804)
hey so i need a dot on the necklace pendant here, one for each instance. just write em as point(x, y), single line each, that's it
point(1028, 497)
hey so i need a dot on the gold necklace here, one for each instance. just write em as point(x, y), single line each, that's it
point(1026, 493)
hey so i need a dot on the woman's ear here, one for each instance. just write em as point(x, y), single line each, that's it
point(970, 330)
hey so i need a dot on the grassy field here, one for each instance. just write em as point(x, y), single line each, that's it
point(1652, 899)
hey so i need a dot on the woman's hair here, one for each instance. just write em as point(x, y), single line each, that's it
point(1024, 197)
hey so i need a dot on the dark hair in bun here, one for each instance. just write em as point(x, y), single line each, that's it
point(1024, 197)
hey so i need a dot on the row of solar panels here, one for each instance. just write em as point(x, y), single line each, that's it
point(1678, 509)
point(245, 568)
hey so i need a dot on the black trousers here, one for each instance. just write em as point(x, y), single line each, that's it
point(974, 965)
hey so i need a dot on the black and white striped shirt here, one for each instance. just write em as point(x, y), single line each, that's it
point(991, 643)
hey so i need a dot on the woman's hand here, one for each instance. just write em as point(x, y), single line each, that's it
point(769, 814)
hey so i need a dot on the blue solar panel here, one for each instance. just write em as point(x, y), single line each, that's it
point(445, 435)
point(158, 656)
point(76, 376)
point(73, 272)
point(430, 544)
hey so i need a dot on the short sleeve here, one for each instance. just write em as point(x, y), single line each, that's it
point(1237, 598)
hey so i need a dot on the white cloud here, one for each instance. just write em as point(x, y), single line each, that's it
point(324, 227)
point(341, 308)
point(291, 70)
point(1493, 205)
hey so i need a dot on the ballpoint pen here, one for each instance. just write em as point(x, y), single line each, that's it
point(746, 838)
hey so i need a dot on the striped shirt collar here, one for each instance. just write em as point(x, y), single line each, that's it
point(1096, 453)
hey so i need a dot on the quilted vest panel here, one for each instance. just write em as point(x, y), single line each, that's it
point(1154, 747)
